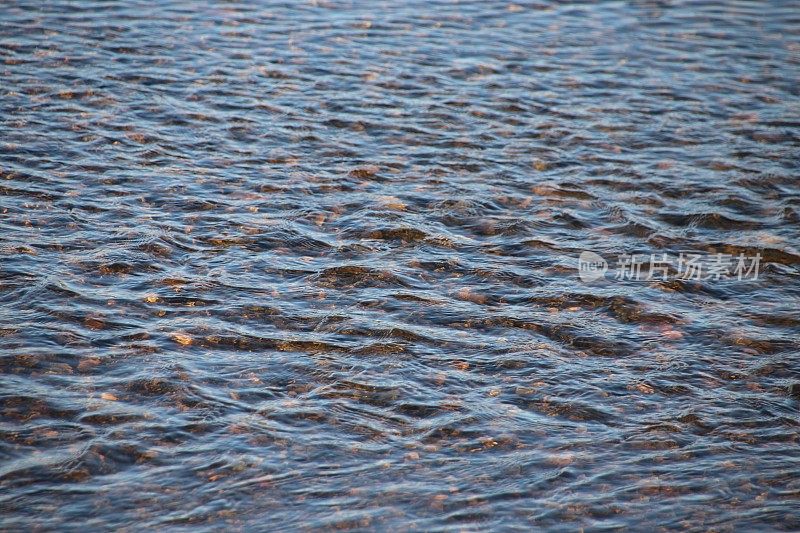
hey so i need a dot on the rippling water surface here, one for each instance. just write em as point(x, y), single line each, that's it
point(277, 265)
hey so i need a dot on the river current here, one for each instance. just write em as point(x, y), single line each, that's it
point(314, 265)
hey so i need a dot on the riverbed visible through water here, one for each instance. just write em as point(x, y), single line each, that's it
point(314, 265)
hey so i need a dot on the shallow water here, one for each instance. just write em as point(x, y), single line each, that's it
point(314, 265)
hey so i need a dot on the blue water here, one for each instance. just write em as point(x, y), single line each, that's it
point(313, 265)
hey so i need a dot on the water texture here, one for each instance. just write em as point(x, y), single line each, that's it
point(300, 265)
